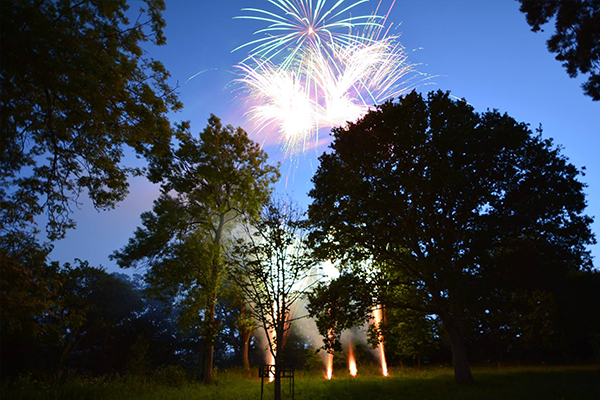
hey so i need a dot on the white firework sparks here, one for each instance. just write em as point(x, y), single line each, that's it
point(306, 75)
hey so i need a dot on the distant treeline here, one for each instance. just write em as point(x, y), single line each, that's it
point(95, 322)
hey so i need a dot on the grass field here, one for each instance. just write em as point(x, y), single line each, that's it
point(430, 384)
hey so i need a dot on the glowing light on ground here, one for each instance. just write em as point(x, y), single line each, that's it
point(317, 68)
point(329, 371)
point(329, 361)
point(378, 315)
point(351, 361)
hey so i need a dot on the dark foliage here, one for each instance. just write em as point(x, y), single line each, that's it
point(576, 39)
point(77, 90)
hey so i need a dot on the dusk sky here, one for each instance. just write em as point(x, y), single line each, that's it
point(479, 50)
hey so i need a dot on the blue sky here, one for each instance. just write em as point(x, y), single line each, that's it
point(480, 50)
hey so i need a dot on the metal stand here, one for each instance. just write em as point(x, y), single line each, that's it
point(268, 370)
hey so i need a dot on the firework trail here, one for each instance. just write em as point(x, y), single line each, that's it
point(316, 67)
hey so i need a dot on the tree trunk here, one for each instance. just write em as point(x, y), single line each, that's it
point(277, 386)
point(279, 343)
point(213, 285)
point(452, 325)
point(72, 344)
point(207, 366)
point(462, 370)
point(277, 395)
point(209, 340)
point(245, 347)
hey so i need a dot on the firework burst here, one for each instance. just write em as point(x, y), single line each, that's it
point(303, 24)
point(283, 102)
point(316, 67)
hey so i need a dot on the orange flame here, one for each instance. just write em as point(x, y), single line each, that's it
point(378, 315)
point(352, 361)
point(329, 365)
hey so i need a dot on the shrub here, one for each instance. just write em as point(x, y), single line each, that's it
point(170, 375)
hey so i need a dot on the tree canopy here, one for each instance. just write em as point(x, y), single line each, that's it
point(457, 202)
point(207, 183)
point(576, 40)
point(77, 89)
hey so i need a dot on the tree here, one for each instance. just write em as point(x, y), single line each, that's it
point(457, 201)
point(272, 265)
point(206, 185)
point(29, 287)
point(576, 41)
point(241, 324)
point(76, 90)
point(30, 301)
point(107, 306)
point(342, 303)
point(348, 301)
point(407, 333)
point(81, 324)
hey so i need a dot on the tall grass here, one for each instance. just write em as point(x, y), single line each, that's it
point(429, 384)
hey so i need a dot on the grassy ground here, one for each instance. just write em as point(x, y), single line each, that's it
point(430, 384)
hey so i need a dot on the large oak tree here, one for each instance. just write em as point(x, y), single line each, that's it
point(456, 201)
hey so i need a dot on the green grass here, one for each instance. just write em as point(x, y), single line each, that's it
point(430, 384)
point(434, 384)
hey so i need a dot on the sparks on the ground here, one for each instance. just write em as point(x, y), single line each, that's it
point(351, 361)
point(378, 316)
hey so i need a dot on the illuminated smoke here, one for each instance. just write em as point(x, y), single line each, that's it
point(378, 315)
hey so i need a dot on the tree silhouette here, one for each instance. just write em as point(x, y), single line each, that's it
point(455, 200)
point(77, 90)
point(576, 38)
